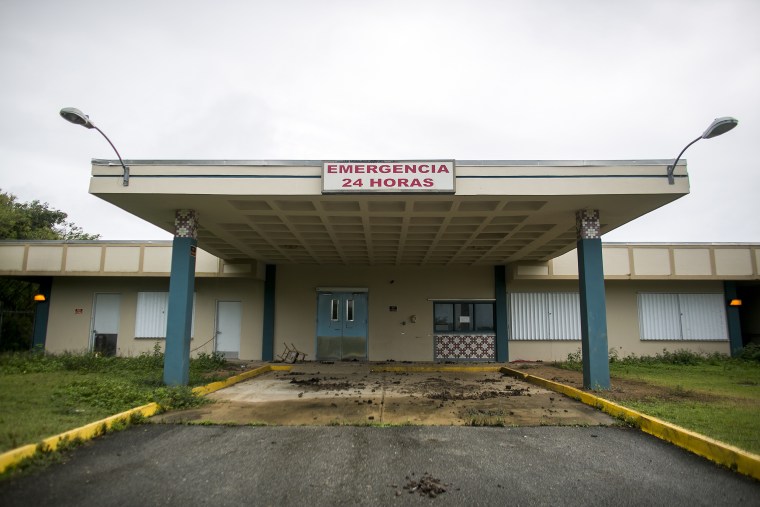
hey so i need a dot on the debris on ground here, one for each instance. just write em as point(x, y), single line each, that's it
point(291, 355)
point(482, 395)
point(317, 384)
point(427, 485)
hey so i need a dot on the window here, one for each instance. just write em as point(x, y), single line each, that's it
point(544, 316)
point(463, 317)
point(150, 320)
point(682, 317)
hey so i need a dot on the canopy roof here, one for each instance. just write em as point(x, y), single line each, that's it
point(275, 211)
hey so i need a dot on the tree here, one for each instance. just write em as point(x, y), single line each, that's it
point(36, 220)
point(27, 220)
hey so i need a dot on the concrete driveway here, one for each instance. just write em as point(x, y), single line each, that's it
point(383, 393)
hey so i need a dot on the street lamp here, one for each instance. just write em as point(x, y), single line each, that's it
point(77, 117)
point(717, 127)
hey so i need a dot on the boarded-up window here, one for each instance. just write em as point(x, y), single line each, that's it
point(682, 317)
point(544, 316)
point(152, 308)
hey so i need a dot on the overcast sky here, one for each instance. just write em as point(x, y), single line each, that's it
point(508, 80)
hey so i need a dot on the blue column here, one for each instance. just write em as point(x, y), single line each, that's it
point(180, 312)
point(733, 318)
point(500, 288)
point(596, 367)
point(270, 283)
point(41, 312)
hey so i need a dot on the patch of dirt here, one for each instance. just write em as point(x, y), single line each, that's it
point(318, 384)
point(620, 389)
point(479, 395)
point(427, 485)
point(339, 396)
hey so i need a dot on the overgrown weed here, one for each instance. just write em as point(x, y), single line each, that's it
point(45, 394)
point(681, 357)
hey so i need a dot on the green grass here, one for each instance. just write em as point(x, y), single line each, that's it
point(725, 378)
point(720, 399)
point(711, 394)
point(43, 395)
point(728, 422)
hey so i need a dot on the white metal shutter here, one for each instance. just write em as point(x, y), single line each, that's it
point(527, 319)
point(564, 315)
point(703, 317)
point(151, 314)
point(544, 316)
point(659, 317)
point(150, 320)
point(682, 317)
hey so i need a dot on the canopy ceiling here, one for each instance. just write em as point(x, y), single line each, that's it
point(275, 212)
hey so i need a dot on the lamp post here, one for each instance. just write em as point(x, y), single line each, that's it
point(717, 127)
point(77, 117)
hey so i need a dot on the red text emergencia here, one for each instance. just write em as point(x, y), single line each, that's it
point(391, 176)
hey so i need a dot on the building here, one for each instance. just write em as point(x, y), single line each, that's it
point(401, 260)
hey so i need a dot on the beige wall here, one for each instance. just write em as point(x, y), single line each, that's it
point(622, 319)
point(110, 258)
point(655, 261)
point(69, 330)
point(409, 289)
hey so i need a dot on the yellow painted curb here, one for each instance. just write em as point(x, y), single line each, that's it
point(97, 428)
point(86, 432)
point(714, 450)
point(215, 386)
point(434, 368)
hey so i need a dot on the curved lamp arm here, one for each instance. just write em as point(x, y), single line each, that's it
point(125, 174)
point(672, 167)
point(718, 127)
point(77, 117)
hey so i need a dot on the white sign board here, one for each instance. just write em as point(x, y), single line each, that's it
point(405, 176)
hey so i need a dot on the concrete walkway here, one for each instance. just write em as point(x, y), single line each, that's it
point(366, 394)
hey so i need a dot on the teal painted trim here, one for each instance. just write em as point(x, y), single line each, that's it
point(270, 284)
point(219, 176)
point(734, 318)
point(568, 177)
point(502, 323)
point(596, 366)
point(294, 176)
point(41, 314)
point(180, 312)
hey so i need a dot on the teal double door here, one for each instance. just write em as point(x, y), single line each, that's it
point(342, 326)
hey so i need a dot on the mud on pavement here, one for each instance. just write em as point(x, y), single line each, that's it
point(362, 393)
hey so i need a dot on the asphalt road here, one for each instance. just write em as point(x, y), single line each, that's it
point(314, 466)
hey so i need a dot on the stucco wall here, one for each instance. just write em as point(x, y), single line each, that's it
point(622, 319)
point(69, 330)
point(408, 289)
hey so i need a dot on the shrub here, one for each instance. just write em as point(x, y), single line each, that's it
point(111, 394)
point(177, 397)
point(750, 352)
point(680, 356)
point(205, 362)
point(574, 361)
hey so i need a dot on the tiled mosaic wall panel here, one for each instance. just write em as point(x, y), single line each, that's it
point(465, 347)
